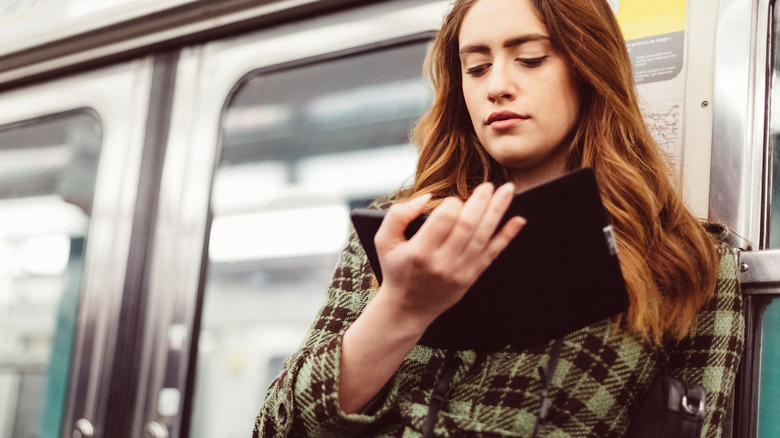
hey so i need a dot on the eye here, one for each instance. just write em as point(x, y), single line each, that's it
point(478, 70)
point(532, 62)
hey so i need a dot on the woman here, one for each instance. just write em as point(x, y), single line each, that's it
point(526, 90)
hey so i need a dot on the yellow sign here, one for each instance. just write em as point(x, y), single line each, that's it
point(645, 18)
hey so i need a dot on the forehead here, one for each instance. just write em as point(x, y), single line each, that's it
point(494, 21)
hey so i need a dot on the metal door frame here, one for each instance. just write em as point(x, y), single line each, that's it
point(119, 95)
point(206, 77)
point(740, 176)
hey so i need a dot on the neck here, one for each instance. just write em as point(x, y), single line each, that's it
point(526, 179)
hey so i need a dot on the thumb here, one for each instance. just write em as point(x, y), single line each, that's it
point(400, 215)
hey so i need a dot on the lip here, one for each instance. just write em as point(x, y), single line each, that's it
point(502, 120)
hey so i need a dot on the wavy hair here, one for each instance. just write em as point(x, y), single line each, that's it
point(668, 260)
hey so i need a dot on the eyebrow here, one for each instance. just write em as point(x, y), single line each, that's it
point(512, 42)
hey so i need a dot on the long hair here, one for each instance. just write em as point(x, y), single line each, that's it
point(668, 260)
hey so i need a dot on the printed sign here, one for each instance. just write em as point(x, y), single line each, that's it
point(655, 36)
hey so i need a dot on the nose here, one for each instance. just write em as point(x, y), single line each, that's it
point(501, 85)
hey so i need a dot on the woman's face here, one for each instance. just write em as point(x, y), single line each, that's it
point(522, 96)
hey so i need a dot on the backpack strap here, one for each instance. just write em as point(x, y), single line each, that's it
point(547, 376)
point(440, 393)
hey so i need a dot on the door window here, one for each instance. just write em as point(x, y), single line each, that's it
point(769, 393)
point(47, 179)
point(301, 146)
point(769, 388)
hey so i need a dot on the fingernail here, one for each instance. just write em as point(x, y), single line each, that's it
point(510, 187)
point(420, 201)
point(518, 222)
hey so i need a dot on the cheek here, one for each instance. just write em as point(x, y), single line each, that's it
point(568, 102)
point(471, 107)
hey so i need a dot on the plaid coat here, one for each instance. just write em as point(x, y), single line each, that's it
point(597, 387)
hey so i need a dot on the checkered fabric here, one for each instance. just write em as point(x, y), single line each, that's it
point(598, 384)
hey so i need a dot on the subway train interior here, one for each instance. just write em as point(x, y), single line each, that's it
point(176, 178)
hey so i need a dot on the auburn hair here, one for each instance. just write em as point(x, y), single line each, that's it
point(668, 260)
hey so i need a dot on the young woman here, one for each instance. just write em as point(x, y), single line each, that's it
point(526, 90)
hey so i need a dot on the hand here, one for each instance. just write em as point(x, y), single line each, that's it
point(423, 276)
point(429, 273)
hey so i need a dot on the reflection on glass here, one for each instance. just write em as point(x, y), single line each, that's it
point(301, 147)
point(769, 393)
point(769, 389)
point(47, 178)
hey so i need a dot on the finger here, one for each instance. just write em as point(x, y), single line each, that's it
point(498, 206)
point(505, 235)
point(398, 217)
point(439, 224)
point(469, 219)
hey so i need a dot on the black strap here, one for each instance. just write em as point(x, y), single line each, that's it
point(544, 408)
point(440, 393)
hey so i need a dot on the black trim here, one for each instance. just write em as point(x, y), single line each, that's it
point(124, 389)
point(767, 165)
point(49, 117)
point(547, 376)
point(192, 363)
point(329, 56)
point(439, 394)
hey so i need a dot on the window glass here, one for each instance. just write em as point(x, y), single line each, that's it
point(769, 389)
point(301, 147)
point(47, 180)
point(768, 421)
point(774, 216)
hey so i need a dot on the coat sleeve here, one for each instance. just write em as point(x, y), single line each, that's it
point(303, 400)
point(710, 356)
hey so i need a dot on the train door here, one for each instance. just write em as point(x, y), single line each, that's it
point(745, 194)
point(273, 138)
point(69, 165)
